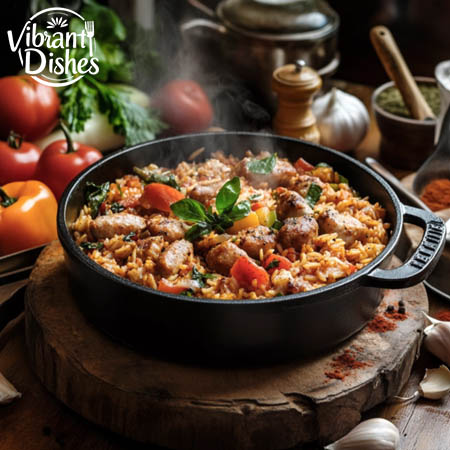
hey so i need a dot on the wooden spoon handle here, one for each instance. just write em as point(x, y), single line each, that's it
point(398, 71)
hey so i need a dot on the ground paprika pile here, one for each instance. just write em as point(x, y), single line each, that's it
point(437, 194)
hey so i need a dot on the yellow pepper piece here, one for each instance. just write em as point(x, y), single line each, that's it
point(27, 216)
point(249, 221)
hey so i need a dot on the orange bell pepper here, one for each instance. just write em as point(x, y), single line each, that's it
point(27, 216)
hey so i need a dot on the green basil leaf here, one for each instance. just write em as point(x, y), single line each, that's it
point(273, 264)
point(342, 179)
point(189, 209)
point(187, 293)
point(262, 166)
point(154, 177)
point(255, 197)
point(239, 211)
point(228, 195)
point(95, 196)
point(323, 164)
point(117, 208)
point(313, 194)
point(198, 230)
point(277, 225)
point(129, 236)
point(91, 245)
point(201, 277)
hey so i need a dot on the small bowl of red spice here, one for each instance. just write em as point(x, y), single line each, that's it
point(436, 194)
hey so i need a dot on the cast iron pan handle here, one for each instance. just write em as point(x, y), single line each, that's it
point(422, 261)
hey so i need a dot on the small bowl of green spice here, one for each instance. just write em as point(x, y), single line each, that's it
point(405, 142)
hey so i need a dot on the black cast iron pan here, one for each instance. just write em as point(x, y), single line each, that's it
point(265, 330)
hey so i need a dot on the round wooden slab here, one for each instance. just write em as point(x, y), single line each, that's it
point(187, 407)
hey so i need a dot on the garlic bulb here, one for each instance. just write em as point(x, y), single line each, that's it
point(372, 434)
point(437, 339)
point(7, 391)
point(436, 383)
point(342, 120)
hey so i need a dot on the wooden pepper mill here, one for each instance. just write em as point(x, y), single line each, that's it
point(295, 85)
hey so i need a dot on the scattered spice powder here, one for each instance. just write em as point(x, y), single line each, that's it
point(443, 315)
point(437, 194)
point(396, 315)
point(379, 324)
point(343, 365)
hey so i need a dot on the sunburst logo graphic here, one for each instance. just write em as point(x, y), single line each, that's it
point(57, 22)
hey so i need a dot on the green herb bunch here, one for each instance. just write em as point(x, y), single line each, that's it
point(228, 211)
point(94, 92)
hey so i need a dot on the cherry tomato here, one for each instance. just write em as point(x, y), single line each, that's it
point(27, 107)
point(18, 159)
point(62, 160)
point(184, 106)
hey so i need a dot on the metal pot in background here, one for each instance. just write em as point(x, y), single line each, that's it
point(251, 38)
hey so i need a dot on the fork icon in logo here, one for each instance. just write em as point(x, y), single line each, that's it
point(89, 26)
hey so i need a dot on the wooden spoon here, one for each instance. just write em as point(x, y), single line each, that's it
point(399, 73)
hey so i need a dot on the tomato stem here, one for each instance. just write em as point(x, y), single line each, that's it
point(70, 148)
point(15, 140)
point(7, 200)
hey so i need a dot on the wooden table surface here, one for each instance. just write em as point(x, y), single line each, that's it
point(38, 421)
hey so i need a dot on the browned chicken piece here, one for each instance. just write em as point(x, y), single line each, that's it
point(151, 246)
point(281, 174)
point(348, 228)
point(210, 241)
point(252, 240)
point(213, 168)
point(115, 224)
point(204, 193)
point(170, 229)
point(173, 257)
point(222, 257)
point(291, 204)
point(302, 183)
point(297, 231)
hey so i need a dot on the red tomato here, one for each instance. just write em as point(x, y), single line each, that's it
point(27, 107)
point(303, 165)
point(277, 262)
point(170, 288)
point(245, 271)
point(184, 106)
point(257, 205)
point(18, 159)
point(160, 196)
point(62, 160)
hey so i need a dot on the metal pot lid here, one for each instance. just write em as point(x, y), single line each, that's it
point(279, 18)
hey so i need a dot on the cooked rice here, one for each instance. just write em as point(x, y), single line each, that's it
point(325, 260)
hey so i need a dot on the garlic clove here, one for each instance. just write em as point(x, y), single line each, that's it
point(372, 434)
point(7, 391)
point(436, 383)
point(437, 339)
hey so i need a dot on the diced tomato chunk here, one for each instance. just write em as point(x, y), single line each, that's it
point(301, 164)
point(245, 272)
point(166, 286)
point(160, 196)
point(257, 205)
point(273, 262)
